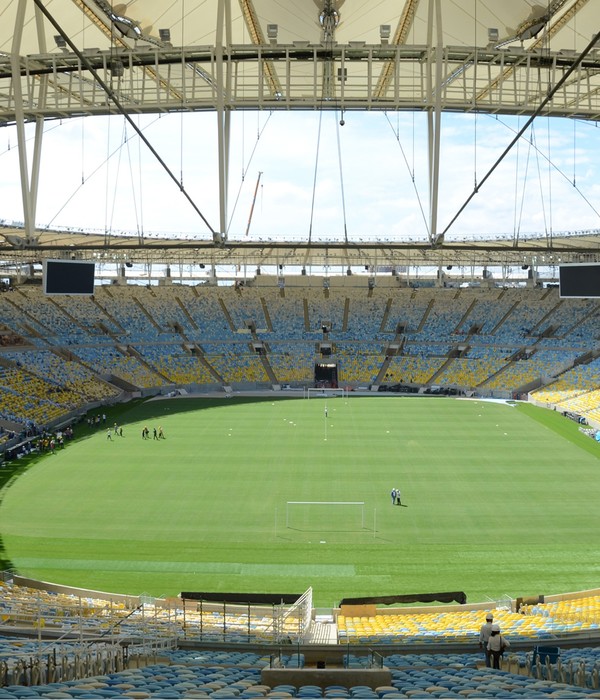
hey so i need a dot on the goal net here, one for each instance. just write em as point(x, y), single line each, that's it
point(313, 392)
point(321, 516)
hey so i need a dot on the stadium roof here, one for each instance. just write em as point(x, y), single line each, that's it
point(576, 247)
point(90, 57)
point(406, 54)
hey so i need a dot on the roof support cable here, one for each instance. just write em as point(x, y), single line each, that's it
point(410, 170)
point(183, 74)
point(340, 123)
point(555, 168)
point(246, 168)
point(118, 174)
point(549, 142)
point(140, 172)
point(111, 94)
point(515, 227)
point(134, 197)
point(522, 204)
point(312, 204)
point(541, 184)
point(572, 68)
point(106, 186)
point(103, 164)
point(475, 98)
point(82, 151)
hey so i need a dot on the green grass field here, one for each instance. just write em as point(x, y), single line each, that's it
point(500, 499)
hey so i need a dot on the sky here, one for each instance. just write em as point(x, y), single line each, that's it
point(366, 179)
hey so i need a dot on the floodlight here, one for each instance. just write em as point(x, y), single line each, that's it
point(165, 35)
point(61, 42)
point(385, 31)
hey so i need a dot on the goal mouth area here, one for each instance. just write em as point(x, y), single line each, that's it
point(325, 393)
point(325, 529)
point(325, 516)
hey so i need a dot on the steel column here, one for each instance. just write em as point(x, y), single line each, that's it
point(15, 60)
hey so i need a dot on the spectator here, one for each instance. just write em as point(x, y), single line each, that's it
point(497, 644)
point(484, 636)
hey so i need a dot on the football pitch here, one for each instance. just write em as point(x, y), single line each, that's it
point(254, 494)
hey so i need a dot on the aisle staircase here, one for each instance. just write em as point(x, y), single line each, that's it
point(322, 630)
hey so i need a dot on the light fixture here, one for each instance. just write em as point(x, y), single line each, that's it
point(272, 32)
point(385, 31)
point(165, 35)
point(61, 42)
point(493, 35)
point(117, 69)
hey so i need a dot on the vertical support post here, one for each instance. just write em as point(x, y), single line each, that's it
point(223, 114)
point(39, 122)
point(17, 90)
point(434, 111)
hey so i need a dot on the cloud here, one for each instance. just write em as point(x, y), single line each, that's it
point(369, 177)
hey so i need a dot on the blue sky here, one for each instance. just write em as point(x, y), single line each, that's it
point(367, 177)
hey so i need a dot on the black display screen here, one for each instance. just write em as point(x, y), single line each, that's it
point(68, 277)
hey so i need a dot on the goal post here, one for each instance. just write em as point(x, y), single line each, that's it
point(313, 392)
point(317, 515)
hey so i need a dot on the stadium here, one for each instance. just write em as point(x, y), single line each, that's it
point(299, 340)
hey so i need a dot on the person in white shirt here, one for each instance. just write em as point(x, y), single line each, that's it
point(497, 645)
point(484, 635)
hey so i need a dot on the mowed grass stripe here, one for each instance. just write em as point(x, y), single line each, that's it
point(498, 500)
point(187, 567)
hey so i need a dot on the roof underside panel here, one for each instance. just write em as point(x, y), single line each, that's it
point(462, 55)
